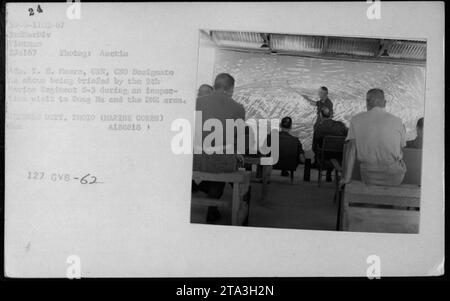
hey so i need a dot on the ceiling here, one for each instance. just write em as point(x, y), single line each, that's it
point(386, 50)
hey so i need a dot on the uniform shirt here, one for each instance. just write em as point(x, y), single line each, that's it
point(328, 127)
point(323, 103)
point(289, 148)
point(222, 107)
point(379, 138)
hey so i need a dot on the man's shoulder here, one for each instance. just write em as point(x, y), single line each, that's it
point(339, 123)
point(206, 99)
point(236, 104)
point(201, 99)
point(326, 123)
point(393, 117)
point(239, 108)
point(358, 116)
point(288, 137)
point(393, 120)
point(199, 103)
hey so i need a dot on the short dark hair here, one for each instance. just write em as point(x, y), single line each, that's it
point(286, 122)
point(224, 81)
point(206, 86)
point(324, 88)
point(204, 90)
point(376, 98)
point(420, 123)
point(377, 92)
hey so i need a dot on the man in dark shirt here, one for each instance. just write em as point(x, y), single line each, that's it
point(219, 106)
point(417, 143)
point(205, 90)
point(323, 101)
point(290, 148)
point(326, 127)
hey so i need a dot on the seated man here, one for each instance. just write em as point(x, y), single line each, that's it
point(417, 143)
point(220, 106)
point(376, 138)
point(290, 149)
point(203, 90)
point(326, 127)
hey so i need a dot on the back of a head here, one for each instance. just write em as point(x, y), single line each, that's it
point(419, 127)
point(204, 90)
point(224, 82)
point(323, 92)
point(286, 123)
point(375, 98)
point(420, 124)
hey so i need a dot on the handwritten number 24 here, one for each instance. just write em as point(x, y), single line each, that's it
point(38, 9)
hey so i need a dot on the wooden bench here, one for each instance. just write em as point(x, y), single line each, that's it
point(413, 162)
point(369, 208)
point(241, 184)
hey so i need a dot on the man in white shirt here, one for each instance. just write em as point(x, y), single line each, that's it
point(376, 139)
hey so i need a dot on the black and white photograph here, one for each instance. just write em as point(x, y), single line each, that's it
point(220, 141)
point(350, 131)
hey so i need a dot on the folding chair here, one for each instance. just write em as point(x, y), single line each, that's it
point(332, 148)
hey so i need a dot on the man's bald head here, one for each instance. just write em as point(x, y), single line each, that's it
point(375, 98)
point(224, 82)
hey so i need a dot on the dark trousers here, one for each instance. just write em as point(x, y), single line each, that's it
point(214, 190)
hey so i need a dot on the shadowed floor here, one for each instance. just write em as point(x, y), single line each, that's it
point(301, 205)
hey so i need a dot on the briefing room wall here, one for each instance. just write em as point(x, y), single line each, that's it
point(270, 86)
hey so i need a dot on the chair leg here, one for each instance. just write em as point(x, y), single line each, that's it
point(328, 175)
point(339, 211)
point(338, 219)
point(307, 170)
point(336, 181)
point(319, 175)
point(292, 176)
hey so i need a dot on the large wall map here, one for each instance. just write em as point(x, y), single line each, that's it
point(271, 86)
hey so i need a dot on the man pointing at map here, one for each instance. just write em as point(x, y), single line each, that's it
point(323, 101)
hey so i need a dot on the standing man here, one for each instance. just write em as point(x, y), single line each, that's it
point(323, 102)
